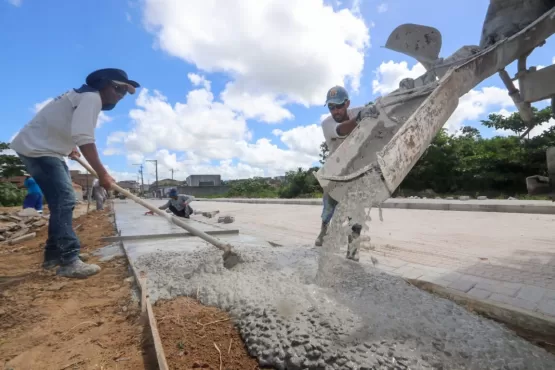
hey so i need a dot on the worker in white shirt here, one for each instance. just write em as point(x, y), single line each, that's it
point(99, 194)
point(56, 131)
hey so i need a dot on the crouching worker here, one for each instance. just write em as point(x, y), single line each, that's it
point(58, 130)
point(178, 204)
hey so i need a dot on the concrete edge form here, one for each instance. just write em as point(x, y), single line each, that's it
point(111, 239)
point(509, 315)
point(146, 306)
point(491, 205)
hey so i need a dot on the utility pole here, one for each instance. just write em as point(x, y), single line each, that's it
point(156, 165)
point(142, 179)
point(172, 170)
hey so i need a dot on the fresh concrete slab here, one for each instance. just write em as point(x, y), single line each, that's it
point(300, 307)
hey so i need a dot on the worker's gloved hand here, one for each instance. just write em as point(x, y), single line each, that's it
point(367, 111)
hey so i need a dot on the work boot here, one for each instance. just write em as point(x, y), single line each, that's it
point(50, 264)
point(78, 269)
point(320, 239)
point(354, 243)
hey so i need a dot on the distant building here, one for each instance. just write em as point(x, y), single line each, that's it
point(144, 188)
point(130, 185)
point(85, 180)
point(166, 182)
point(204, 180)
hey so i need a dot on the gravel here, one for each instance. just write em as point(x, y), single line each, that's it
point(306, 308)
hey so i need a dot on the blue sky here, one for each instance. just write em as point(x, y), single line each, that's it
point(237, 89)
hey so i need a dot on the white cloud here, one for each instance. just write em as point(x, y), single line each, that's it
point(382, 8)
point(203, 134)
point(102, 119)
point(305, 139)
point(128, 17)
point(389, 74)
point(38, 106)
point(263, 107)
point(282, 51)
point(538, 130)
point(15, 2)
point(198, 80)
point(112, 151)
point(477, 103)
point(355, 8)
point(553, 60)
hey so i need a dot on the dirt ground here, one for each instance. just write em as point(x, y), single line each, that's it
point(48, 322)
point(193, 336)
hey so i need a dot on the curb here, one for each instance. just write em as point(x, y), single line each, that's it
point(514, 317)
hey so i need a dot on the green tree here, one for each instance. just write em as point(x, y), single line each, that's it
point(469, 163)
point(256, 187)
point(10, 165)
point(10, 195)
point(300, 183)
point(515, 124)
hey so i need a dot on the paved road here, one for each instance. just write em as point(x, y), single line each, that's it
point(471, 205)
point(504, 257)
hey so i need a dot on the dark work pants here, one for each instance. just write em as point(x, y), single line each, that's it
point(185, 212)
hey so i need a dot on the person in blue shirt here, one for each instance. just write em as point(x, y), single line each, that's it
point(33, 199)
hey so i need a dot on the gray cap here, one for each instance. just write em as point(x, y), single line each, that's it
point(337, 95)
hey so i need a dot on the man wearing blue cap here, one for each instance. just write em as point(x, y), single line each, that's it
point(342, 121)
point(63, 126)
point(179, 204)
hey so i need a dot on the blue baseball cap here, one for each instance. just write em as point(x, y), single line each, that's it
point(173, 193)
point(337, 95)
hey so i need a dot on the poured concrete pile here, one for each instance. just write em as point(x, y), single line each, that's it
point(298, 310)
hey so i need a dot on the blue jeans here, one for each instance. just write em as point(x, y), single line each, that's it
point(329, 208)
point(52, 175)
point(33, 200)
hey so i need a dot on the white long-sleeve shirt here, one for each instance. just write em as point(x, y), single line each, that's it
point(64, 123)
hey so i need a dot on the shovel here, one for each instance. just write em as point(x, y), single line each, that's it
point(230, 258)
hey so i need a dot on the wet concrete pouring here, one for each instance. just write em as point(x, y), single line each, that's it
point(309, 308)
